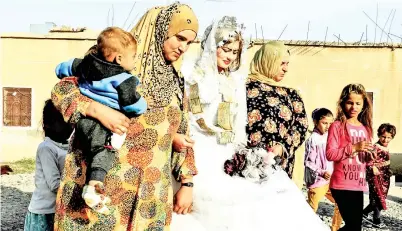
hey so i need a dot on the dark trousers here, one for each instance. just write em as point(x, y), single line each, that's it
point(377, 212)
point(350, 205)
point(95, 139)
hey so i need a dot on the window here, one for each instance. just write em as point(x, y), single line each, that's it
point(17, 106)
point(370, 96)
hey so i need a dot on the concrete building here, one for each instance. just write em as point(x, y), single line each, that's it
point(320, 72)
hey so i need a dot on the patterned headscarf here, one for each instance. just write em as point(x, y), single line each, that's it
point(160, 80)
point(267, 62)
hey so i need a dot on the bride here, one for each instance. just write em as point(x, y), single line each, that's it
point(218, 124)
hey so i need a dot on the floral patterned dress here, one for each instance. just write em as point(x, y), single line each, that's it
point(139, 182)
point(276, 115)
point(379, 182)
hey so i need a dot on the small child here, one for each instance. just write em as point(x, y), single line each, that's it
point(103, 75)
point(50, 158)
point(378, 176)
point(349, 146)
point(317, 167)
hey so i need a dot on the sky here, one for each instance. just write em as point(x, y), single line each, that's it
point(270, 17)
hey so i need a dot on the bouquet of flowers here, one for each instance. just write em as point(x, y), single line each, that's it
point(255, 164)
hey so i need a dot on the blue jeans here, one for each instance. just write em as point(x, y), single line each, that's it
point(39, 222)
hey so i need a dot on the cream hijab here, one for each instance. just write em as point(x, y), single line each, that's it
point(267, 61)
point(160, 80)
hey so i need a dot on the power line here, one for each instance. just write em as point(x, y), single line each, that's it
point(282, 31)
point(107, 19)
point(135, 18)
point(129, 14)
point(390, 25)
point(386, 24)
point(376, 25)
point(112, 15)
point(375, 28)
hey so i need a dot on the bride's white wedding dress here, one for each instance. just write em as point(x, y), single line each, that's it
point(222, 202)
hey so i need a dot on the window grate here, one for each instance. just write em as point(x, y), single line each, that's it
point(17, 106)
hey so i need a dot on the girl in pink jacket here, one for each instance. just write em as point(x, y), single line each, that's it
point(348, 146)
point(318, 169)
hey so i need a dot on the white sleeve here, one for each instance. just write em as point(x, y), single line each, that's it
point(208, 85)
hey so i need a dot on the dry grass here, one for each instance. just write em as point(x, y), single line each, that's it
point(396, 164)
point(26, 165)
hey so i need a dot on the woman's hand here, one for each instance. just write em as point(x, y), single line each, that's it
point(113, 120)
point(183, 200)
point(277, 150)
point(182, 142)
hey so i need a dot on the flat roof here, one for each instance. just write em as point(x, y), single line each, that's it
point(92, 35)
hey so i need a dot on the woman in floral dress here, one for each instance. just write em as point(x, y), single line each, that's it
point(139, 182)
point(276, 114)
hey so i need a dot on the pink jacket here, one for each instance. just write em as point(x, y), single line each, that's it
point(349, 173)
point(315, 157)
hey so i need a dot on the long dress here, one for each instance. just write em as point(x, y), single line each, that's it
point(276, 115)
point(139, 182)
point(222, 202)
point(379, 183)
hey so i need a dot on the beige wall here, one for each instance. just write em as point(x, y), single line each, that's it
point(30, 62)
point(321, 78)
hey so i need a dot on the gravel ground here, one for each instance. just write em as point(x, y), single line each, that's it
point(16, 191)
point(392, 217)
